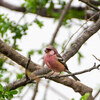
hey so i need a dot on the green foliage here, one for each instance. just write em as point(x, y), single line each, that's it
point(2, 61)
point(1, 75)
point(80, 56)
point(72, 13)
point(6, 94)
point(17, 30)
point(31, 52)
point(20, 89)
point(39, 23)
point(51, 6)
point(55, 44)
point(32, 5)
point(19, 76)
point(85, 97)
point(6, 80)
point(39, 51)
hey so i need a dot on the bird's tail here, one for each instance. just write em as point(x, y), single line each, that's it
point(72, 75)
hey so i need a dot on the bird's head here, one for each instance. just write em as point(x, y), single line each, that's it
point(50, 50)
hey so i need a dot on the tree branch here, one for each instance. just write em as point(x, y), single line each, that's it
point(15, 56)
point(66, 8)
point(94, 2)
point(81, 40)
point(80, 72)
point(75, 85)
point(98, 92)
point(43, 11)
point(89, 4)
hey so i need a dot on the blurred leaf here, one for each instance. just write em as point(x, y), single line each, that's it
point(31, 52)
point(39, 23)
point(85, 97)
point(20, 89)
point(15, 46)
point(55, 44)
point(6, 79)
point(1, 88)
point(13, 92)
point(1, 62)
point(20, 76)
point(1, 75)
point(80, 56)
point(51, 6)
point(7, 88)
point(39, 51)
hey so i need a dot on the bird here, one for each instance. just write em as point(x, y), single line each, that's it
point(55, 62)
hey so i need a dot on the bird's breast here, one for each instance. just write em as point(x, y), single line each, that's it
point(54, 64)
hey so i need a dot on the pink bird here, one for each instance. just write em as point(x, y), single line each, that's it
point(55, 62)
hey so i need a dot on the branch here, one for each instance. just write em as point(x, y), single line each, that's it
point(43, 11)
point(96, 57)
point(97, 94)
point(81, 72)
point(15, 56)
point(81, 40)
point(64, 12)
point(35, 90)
point(75, 85)
point(94, 2)
point(89, 4)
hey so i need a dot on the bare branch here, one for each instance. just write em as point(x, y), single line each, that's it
point(89, 4)
point(97, 94)
point(81, 72)
point(94, 2)
point(66, 8)
point(35, 90)
point(96, 58)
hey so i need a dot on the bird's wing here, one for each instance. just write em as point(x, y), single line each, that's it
point(60, 59)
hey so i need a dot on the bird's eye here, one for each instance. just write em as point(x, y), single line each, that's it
point(47, 50)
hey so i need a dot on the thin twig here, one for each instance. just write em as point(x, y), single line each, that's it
point(35, 90)
point(97, 94)
point(96, 57)
point(76, 73)
point(28, 61)
point(82, 72)
point(66, 8)
point(26, 91)
point(21, 18)
point(55, 91)
point(89, 4)
point(46, 89)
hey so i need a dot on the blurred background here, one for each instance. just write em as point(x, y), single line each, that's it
point(29, 26)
